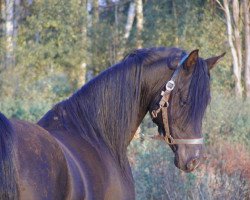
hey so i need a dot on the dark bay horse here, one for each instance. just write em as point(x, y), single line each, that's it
point(78, 149)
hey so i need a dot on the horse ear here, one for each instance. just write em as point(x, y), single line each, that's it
point(191, 59)
point(213, 60)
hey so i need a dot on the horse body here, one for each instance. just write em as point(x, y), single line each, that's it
point(78, 149)
point(37, 175)
point(58, 165)
point(93, 173)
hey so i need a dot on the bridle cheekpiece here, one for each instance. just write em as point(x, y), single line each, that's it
point(163, 106)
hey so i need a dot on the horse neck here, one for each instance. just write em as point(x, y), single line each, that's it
point(108, 109)
point(112, 106)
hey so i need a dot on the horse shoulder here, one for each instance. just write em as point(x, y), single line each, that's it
point(41, 169)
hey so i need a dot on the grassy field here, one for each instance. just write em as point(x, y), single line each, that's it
point(224, 175)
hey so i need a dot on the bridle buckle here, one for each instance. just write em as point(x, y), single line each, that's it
point(170, 85)
point(169, 139)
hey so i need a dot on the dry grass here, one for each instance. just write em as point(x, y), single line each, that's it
point(230, 158)
point(225, 174)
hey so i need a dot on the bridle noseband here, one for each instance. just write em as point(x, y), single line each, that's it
point(163, 107)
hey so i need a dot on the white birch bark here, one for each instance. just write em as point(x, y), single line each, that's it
point(237, 36)
point(139, 24)
point(9, 33)
point(2, 10)
point(246, 10)
point(127, 30)
point(130, 20)
point(95, 11)
point(230, 32)
point(82, 68)
point(17, 14)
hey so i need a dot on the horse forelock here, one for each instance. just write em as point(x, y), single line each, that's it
point(199, 93)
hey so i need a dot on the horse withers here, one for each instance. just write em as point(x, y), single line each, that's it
point(78, 149)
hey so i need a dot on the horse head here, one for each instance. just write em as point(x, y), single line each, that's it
point(179, 107)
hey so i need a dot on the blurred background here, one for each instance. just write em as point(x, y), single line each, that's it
point(50, 48)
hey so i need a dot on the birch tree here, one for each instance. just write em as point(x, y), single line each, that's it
point(2, 16)
point(82, 68)
point(128, 28)
point(16, 19)
point(94, 38)
point(246, 10)
point(95, 12)
point(130, 20)
point(139, 24)
point(9, 33)
point(2, 31)
point(234, 41)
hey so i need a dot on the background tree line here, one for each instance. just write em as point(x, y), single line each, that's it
point(50, 48)
point(89, 36)
point(80, 38)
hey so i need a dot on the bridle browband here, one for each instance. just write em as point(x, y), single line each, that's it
point(163, 107)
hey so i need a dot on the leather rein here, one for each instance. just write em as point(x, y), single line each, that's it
point(163, 108)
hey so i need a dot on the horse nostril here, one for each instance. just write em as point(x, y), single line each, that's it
point(193, 164)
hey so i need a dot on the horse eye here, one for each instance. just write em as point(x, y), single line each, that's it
point(183, 102)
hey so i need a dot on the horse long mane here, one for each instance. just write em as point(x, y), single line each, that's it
point(8, 184)
point(103, 110)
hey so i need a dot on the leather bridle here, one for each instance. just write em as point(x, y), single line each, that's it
point(163, 107)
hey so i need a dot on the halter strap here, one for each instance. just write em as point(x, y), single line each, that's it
point(164, 106)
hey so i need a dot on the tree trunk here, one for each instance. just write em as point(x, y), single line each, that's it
point(233, 46)
point(130, 20)
point(139, 24)
point(9, 33)
point(246, 7)
point(17, 14)
point(95, 12)
point(115, 39)
point(94, 37)
point(81, 79)
point(237, 37)
point(176, 38)
point(2, 17)
point(2, 23)
point(127, 31)
point(2, 33)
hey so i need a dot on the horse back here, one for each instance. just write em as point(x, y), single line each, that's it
point(41, 169)
point(93, 171)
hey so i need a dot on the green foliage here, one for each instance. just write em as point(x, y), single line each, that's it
point(24, 109)
point(51, 46)
point(51, 30)
point(34, 97)
point(154, 172)
point(51, 38)
point(193, 26)
point(228, 118)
